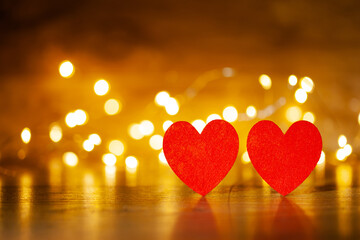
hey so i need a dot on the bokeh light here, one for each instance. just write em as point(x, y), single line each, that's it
point(131, 162)
point(109, 159)
point(95, 139)
point(293, 114)
point(199, 125)
point(347, 150)
point(245, 158)
point(116, 147)
point(112, 106)
point(251, 111)
point(80, 117)
point(300, 95)
point(55, 132)
point(292, 80)
point(342, 140)
point(309, 116)
point(162, 158)
point(146, 127)
point(101, 87)
point(88, 145)
point(322, 158)
point(167, 124)
point(26, 135)
point(156, 142)
point(212, 117)
point(307, 84)
point(70, 159)
point(70, 120)
point(359, 119)
point(265, 81)
point(341, 154)
point(230, 114)
point(66, 69)
point(172, 106)
point(162, 98)
point(134, 131)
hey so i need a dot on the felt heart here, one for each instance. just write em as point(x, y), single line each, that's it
point(284, 161)
point(201, 161)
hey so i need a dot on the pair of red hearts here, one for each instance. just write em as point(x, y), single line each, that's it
point(201, 161)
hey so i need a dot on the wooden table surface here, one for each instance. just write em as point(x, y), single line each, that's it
point(40, 210)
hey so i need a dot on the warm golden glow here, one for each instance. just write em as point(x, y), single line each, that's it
point(347, 150)
point(344, 175)
point(95, 139)
point(199, 125)
point(162, 158)
point(55, 132)
point(293, 80)
point(309, 116)
point(172, 106)
point(265, 81)
point(341, 154)
point(245, 158)
point(112, 106)
point(156, 142)
point(212, 117)
point(109, 159)
point(230, 114)
point(66, 69)
point(307, 84)
point(70, 120)
point(26, 135)
point(80, 117)
point(131, 162)
point(359, 119)
point(251, 111)
point(342, 141)
point(134, 131)
point(167, 124)
point(293, 114)
point(101, 87)
point(300, 95)
point(116, 147)
point(322, 158)
point(228, 72)
point(162, 98)
point(70, 159)
point(88, 145)
point(146, 128)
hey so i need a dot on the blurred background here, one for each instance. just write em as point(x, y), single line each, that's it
point(93, 86)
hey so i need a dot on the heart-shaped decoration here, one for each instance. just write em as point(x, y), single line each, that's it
point(201, 161)
point(284, 161)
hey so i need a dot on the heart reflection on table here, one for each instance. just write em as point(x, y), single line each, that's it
point(197, 222)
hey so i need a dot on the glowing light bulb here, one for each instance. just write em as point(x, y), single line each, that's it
point(109, 159)
point(66, 69)
point(116, 147)
point(134, 131)
point(161, 98)
point(322, 158)
point(230, 114)
point(26, 135)
point(300, 95)
point(55, 132)
point(199, 125)
point(293, 80)
point(156, 142)
point(162, 158)
point(70, 159)
point(146, 127)
point(112, 106)
point(251, 111)
point(293, 114)
point(245, 157)
point(212, 117)
point(342, 141)
point(95, 139)
point(101, 87)
point(88, 145)
point(167, 124)
point(131, 162)
point(309, 116)
point(265, 81)
point(172, 106)
point(307, 84)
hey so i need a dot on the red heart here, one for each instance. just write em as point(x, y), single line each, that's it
point(284, 161)
point(201, 161)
